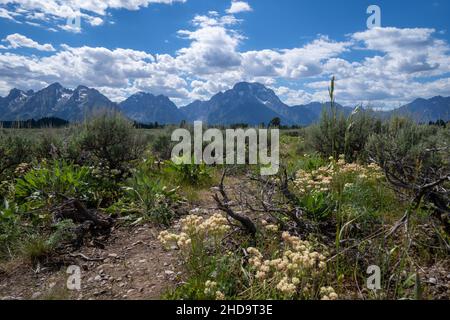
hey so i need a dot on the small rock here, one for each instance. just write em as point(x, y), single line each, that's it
point(99, 292)
point(98, 278)
point(432, 280)
point(36, 295)
point(169, 272)
point(113, 255)
point(10, 298)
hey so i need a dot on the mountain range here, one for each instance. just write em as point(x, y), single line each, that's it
point(250, 103)
point(53, 101)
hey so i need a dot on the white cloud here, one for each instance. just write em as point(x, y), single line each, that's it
point(19, 41)
point(58, 11)
point(5, 14)
point(399, 66)
point(239, 6)
point(213, 47)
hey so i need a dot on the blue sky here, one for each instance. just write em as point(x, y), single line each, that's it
point(191, 49)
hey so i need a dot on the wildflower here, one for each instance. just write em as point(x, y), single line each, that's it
point(272, 228)
point(210, 287)
point(328, 293)
point(115, 172)
point(22, 168)
point(286, 287)
point(261, 275)
point(254, 252)
point(220, 296)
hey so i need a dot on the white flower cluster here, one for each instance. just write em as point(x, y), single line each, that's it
point(181, 240)
point(328, 293)
point(195, 226)
point(210, 287)
point(272, 228)
point(211, 290)
point(296, 261)
point(321, 180)
point(318, 180)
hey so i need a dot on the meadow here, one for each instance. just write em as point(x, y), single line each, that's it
point(355, 197)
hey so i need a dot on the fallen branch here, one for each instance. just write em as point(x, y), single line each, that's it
point(224, 205)
point(80, 255)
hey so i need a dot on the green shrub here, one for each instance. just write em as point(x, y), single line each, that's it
point(39, 245)
point(35, 248)
point(318, 205)
point(14, 150)
point(63, 232)
point(146, 196)
point(49, 145)
point(337, 135)
point(421, 148)
point(50, 182)
point(163, 146)
point(10, 230)
point(415, 159)
point(190, 173)
point(360, 126)
point(112, 139)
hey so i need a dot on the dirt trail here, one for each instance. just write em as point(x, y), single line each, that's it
point(132, 265)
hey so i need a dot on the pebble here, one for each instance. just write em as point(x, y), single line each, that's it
point(36, 295)
point(10, 298)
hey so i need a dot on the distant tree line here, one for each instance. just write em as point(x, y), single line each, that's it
point(35, 124)
point(55, 122)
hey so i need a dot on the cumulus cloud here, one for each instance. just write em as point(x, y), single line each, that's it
point(239, 6)
point(398, 65)
point(19, 41)
point(405, 61)
point(58, 11)
point(5, 14)
point(213, 46)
